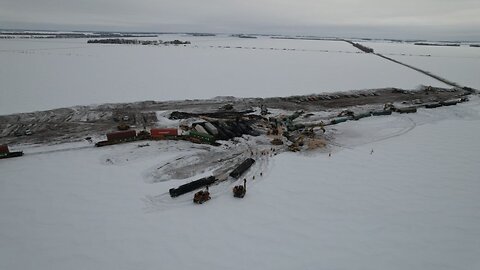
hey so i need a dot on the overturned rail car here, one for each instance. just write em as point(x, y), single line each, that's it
point(450, 102)
point(433, 105)
point(406, 110)
point(200, 183)
point(382, 112)
point(238, 171)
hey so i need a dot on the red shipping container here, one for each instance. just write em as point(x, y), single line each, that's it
point(121, 135)
point(162, 132)
point(4, 149)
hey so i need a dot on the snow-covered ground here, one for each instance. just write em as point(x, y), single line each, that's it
point(51, 73)
point(411, 204)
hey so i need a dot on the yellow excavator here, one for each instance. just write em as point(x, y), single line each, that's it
point(295, 146)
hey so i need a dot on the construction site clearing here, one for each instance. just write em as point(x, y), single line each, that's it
point(278, 124)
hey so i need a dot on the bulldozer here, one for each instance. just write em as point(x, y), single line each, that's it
point(239, 191)
point(123, 126)
point(201, 196)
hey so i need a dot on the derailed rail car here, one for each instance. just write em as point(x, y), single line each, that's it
point(163, 133)
point(433, 105)
point(200, 183)
point(201, 137)
point(406, 110)
point(238, 171)
point(5, 152)
point(450, 102)
point(118, 137)
point(125, 135)
point(381, 112)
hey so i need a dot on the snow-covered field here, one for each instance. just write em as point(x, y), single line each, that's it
point(411, 204)
point(397, 192)
point(52, 73)
point(458, 64)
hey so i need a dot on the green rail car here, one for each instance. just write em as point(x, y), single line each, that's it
point(205, 138)
point(339, 120)
point(362, 115)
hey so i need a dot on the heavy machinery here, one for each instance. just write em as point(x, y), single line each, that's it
point(123, 126)
point(201, 196)
point(239, 191)
point(297, 144)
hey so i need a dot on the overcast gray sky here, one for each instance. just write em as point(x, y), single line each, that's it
point(430, 19)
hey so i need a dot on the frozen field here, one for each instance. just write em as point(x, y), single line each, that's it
point(412, 204)
point(52, 73)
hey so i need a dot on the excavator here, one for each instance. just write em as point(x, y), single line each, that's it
point(201, 196)
point(295, 146)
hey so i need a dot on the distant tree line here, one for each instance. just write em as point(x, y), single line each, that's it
point(243, 36)
point(437, 44)
point(136, 41)
point(38, 35)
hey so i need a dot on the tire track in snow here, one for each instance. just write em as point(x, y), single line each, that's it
point(164, 201)
point(412, 124)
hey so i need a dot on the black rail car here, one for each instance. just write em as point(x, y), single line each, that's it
point(242, 168)
point(200, 183)
point(11, 154)
point(5, 152)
